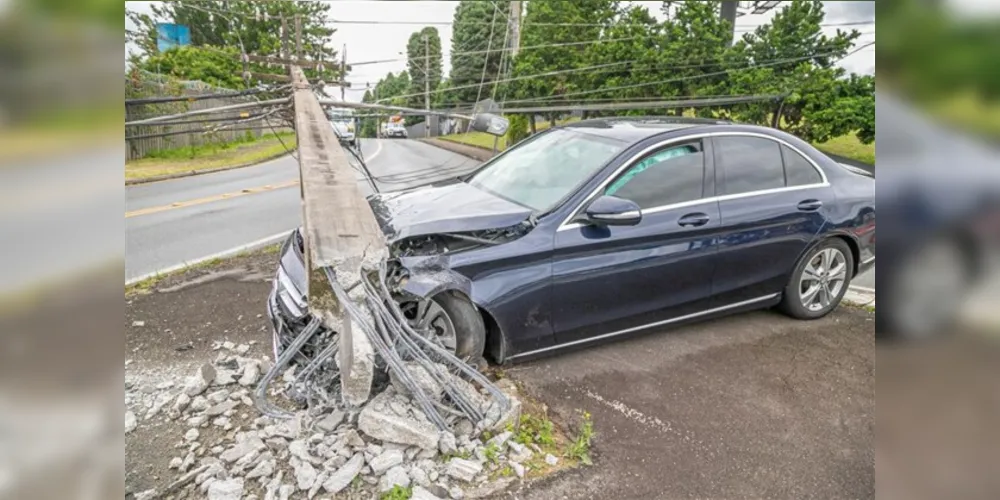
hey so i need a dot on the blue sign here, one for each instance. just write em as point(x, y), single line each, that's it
point(169, 36)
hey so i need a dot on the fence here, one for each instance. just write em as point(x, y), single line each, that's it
point(204, 129)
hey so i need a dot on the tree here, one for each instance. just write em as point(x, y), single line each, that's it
point(423, 61)
point(217, 67)
point(243, 25)
point(553, 24)
point(791, 55)
point(474, 23)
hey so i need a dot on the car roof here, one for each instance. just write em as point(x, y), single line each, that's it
point(634, 129)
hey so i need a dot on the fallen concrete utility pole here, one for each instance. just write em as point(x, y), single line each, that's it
point(357, 329)
point(340, 229)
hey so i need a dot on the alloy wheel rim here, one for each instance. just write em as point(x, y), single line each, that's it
point(823, 279)
point(430, 319)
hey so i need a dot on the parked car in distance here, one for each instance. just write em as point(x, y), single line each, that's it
point(395, 130)
point(345, 132)
point(607, 228)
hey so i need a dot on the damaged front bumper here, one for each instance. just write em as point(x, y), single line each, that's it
point(287, 304)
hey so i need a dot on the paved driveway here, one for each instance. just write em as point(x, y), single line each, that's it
point(752, 406)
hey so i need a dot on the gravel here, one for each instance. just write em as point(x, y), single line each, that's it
point(233, 452)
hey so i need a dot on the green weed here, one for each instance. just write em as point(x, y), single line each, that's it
point(397, 493)
point(579, 449)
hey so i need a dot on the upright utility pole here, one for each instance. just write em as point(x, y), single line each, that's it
point(284, 38)
point(515, 27)
point(729, 8)
point(298, 37)
point(427, 86)
point(343, 72)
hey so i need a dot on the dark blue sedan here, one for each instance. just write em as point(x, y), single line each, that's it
point(611, 227)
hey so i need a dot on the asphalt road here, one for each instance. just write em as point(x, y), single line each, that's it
point(171, 222)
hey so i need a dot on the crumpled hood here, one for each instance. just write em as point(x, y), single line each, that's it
point(456, 207)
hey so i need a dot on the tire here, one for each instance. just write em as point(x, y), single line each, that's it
point(925, 290)
point(470, 331)
point(829, 291)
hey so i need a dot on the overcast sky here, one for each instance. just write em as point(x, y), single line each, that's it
point(377, 42)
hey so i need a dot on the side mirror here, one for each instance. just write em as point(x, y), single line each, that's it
point(490, 123)
point(613, 211)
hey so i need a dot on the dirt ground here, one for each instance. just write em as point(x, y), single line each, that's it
point(751, 406)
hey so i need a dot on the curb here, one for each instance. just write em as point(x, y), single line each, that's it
point(860, 296)
point(474, 152)
point(270, 240)
point(192, 173)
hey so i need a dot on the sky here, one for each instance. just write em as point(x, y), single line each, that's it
point(377, 42)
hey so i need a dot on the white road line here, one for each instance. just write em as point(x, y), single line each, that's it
point(862, 289)
point(219, 255)
point(377, 151)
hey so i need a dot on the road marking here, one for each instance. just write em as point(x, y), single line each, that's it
point(210, 199)
point(227, 196)
point(263, 242)
point(377, 151)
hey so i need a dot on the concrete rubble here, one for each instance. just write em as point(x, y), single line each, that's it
point(225, 449)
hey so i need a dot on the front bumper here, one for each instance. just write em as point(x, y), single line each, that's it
point(287, 304)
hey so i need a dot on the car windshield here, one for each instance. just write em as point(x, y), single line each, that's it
point(543, 171)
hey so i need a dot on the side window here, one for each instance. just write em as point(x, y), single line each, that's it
point(798, 170)
point(675, 174)
point(750, 164)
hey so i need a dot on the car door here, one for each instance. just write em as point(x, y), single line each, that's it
point(607, 279)
point(773, 200)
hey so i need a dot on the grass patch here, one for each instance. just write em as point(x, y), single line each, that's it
point(485, 141)
point(397, 493)
point(849, 146)
point(209, 156)
point(579, 449)
point(147, 285)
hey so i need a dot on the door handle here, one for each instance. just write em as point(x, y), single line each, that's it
point(810, 205)
point(694, 220)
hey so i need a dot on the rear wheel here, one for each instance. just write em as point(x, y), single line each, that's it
point(819, 281)
point(452, 321)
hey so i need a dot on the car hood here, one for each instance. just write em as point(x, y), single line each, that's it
point(455, 207)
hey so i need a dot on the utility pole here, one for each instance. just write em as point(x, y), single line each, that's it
point(284, 38)
point(729, 8)
point(515, 27)
point(427, 86)
point(343, 73)
point(298, 37)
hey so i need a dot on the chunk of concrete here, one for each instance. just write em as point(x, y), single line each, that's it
point(330, 422)
point(421, 377)
point(231, 489)
point(421, 493)
point(379, 421)
point(387, 460)
point(463, 470)
point(341, 479)
point(130, 422)
point(395, 476)
point(356, 379)
point(241, 449)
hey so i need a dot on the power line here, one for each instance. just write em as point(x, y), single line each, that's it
point(692, 77)
point(529, 47)
point(596, 25)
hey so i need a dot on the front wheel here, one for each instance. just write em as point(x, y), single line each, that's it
point(452, 321)
point(819, 281)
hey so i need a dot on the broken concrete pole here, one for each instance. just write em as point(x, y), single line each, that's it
point(379, 421)
point(356, 380)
